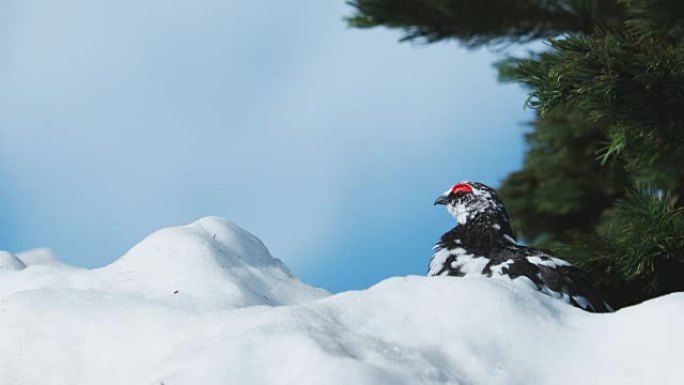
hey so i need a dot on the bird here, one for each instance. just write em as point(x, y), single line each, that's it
point(483, 244)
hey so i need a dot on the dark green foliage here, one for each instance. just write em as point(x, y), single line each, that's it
point(634, 268)
point(641, 98)
point(561, 189)
point(485, 21)
point(603, 178)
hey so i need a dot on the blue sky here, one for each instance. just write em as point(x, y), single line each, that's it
point(329, 143)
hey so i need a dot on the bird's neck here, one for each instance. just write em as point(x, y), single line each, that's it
point(484, 231)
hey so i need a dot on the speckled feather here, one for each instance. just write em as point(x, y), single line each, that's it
point(483, 244)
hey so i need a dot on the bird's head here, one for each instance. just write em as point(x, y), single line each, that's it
point(469, 200)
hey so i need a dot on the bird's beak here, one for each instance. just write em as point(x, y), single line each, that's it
point(441, 200)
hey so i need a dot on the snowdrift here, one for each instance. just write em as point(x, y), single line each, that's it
point(207, 304)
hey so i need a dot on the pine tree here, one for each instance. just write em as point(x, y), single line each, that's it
point(603, 178)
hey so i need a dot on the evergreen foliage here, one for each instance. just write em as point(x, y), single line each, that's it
point(485, 21)
point(603, 179)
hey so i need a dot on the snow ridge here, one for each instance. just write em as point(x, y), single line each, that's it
point(207, 304)
point(214, 262)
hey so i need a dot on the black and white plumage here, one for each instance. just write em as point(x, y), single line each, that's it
point(483, 244)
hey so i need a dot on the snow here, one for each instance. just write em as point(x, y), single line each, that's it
point(9, 261)
point(40, 256)
point(207, 304)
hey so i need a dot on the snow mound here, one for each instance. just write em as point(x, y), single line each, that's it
point(123, 324)
point(40, 256)
point(209, 262)
point(9, 261)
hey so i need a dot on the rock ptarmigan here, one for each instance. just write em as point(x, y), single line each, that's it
point(482, 244)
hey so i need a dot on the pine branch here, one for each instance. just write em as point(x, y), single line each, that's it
point(638, 251)
point(479, 22)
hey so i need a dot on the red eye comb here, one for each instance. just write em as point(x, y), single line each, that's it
point(461, 187)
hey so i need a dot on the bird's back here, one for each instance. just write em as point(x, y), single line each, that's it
point(539, 270)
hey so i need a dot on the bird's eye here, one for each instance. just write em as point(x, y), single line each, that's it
point(461, 188)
